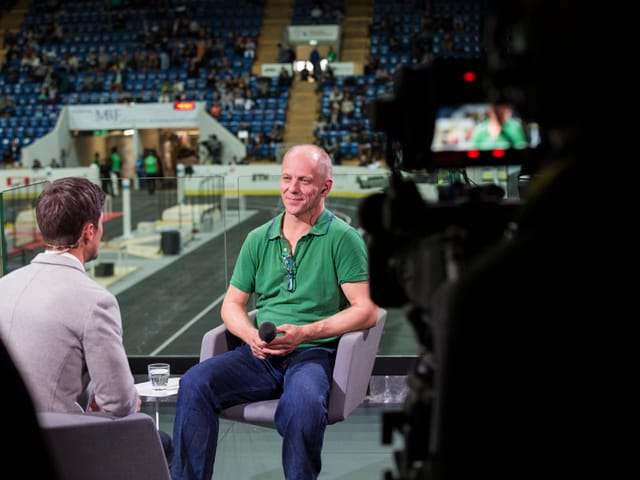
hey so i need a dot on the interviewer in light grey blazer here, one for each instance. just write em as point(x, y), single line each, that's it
point(62, 328)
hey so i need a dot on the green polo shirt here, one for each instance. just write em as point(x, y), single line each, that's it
point(116, 161)
point(332, 253)
point(511, 136)
point(150, 165)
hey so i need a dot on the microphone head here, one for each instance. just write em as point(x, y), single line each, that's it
point(267, 331)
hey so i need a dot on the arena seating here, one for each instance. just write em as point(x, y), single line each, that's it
point(401, 33)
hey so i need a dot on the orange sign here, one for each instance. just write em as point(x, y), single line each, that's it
point(184, 105)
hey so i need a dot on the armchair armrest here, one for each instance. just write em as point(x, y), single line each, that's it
point(219, 340)
point(355, 359)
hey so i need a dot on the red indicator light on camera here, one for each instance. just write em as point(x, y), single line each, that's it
point(473, 154)
point(469, 77)
point(184, 105)
point(498, 153)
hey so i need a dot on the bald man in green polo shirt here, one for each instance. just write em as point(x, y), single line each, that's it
point(308, 270)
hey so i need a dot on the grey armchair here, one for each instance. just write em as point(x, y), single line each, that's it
point(99, 447)
point(355, 357)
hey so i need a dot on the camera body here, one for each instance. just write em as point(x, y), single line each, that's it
point(439, 119)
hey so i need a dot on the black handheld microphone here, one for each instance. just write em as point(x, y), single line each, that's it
point(267, 331)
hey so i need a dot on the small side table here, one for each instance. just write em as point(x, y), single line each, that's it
point(146, 391)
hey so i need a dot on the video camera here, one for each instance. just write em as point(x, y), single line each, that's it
point(439, 119)
point(455, 115)
point(477, 271)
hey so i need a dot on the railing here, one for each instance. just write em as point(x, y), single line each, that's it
point(20, 235)
point(171, 271)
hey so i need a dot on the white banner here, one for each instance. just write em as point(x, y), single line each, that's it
point(133, 115)
point(342, 68)
point(320, 33)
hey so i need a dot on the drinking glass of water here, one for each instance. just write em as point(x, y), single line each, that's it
point(159, 375)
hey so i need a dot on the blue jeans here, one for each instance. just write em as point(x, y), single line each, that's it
point(301, 380)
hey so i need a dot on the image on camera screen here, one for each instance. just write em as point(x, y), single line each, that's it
point(482, 126)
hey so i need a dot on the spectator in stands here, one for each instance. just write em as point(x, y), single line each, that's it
point(284, 78)
point(104, 59)
point(306, 74)
point(73, 62)
point(87, 84)
point(377, 147)
point(166, 91)
point(314, 59)
point(336, 94)
point(178, 89)
point(43, 96)
point(14, 154)
point(9, 106)
point(332, 147)
point(11, 71)
point(215, 110)
point(320, 124)
point(292, 54)
point(334, 115)
point(264, 87)
point(331, 54)
point(347, 107)
point(382, 75)
point(3, 103)
point(283, 54)
point(318, 140)
point(338, 13)
point(91, 61)
point(372, 65)
point(165, 60)
point(6, 161)
point(250, 103)
point(249, 48)
point(316, 13)
point(327, 79)
point(276, 134)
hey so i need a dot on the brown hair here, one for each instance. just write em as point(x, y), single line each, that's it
point(65, 206)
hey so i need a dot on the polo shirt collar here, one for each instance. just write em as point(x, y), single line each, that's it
point(321, 227)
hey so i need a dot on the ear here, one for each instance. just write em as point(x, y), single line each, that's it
point(327, 187)
point(88, 231)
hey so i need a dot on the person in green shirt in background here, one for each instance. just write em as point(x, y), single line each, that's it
point(151, 170)
point(331, 54)
point(116, 165)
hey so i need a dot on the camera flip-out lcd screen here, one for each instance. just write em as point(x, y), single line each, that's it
point(482, 126)
point(482, 134)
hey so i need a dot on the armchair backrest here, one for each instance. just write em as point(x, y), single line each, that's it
point(99, 447)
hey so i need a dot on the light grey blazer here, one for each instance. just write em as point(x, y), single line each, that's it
point(64, 330)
